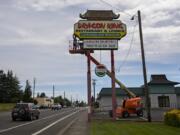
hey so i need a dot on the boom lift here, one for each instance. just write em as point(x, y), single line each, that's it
point(132, 105)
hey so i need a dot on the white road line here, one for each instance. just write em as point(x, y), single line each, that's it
point(52, 124)
point(8, 129)
point(66, 127)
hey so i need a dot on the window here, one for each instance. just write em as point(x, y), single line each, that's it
point(163, 101)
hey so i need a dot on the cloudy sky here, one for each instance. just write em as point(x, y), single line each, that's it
point(35, 35)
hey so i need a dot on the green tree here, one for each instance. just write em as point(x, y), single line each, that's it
point(9, 88)
point(27, 93)
point(42, 95)
point(67, 102)
point(59, 100)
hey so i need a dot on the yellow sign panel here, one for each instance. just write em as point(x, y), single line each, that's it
point(114, 29)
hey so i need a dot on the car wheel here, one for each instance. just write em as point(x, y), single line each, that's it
point(37, 117)
point(140, 113)
point(125, 114)
point(30, 117)
point(13, 119)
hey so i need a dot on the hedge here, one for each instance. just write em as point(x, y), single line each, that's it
point(172, 118)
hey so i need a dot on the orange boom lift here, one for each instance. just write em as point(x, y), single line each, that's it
point(133, 105)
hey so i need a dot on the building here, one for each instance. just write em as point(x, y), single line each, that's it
point(44, 101)
point(162, 92)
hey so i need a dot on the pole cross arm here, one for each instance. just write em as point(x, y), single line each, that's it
point(122, 86)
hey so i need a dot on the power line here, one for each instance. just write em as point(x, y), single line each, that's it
point(107, 3)
point(130, 47)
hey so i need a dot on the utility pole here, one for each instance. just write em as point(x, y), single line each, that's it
point(53, 91)
point(89, 84)
point(64, 95)
point(94, 85)
point(148, 104)
point(34, 83)
point(71, 100)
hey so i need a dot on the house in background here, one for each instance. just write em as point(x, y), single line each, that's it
point(162, 92)
point(44, 101)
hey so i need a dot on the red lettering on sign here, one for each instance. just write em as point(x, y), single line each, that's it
point(91, 25)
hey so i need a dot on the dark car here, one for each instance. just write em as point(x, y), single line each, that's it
point(25, 111)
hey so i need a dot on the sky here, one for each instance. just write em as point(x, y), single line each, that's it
point(35, 36)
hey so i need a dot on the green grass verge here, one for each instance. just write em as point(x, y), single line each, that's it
point(132, 128)
point(6, 106)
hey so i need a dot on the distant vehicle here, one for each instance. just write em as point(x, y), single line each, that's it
point(56, 107)
point(25, 111)
point(36, 106)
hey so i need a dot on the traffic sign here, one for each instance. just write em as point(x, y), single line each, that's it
point(100, 70)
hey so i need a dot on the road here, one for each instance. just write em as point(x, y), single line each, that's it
point(49, 123)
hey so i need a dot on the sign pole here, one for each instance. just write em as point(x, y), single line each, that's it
point(113, 86)
point(148, 109)
point(89, 85)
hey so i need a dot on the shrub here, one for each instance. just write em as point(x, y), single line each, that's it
point(172, 118)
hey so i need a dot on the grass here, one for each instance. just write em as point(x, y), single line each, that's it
point(6, 106)
point(132, 128)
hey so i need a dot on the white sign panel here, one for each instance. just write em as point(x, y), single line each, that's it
point(100, 44)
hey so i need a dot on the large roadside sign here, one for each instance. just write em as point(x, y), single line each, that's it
point(114, 29)
point(100, 44)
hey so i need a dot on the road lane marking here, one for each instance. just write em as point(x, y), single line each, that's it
point(8, 129)
point(52, 124)
point(67, 127)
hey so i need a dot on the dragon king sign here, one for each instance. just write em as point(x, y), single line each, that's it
point(114, 29)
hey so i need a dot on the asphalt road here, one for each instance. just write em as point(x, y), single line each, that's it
point(49, 123)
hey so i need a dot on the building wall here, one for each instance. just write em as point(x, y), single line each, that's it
point(162, 89)
point(178, 101)
point(105, 102)
point(44, 101)
point(154, 100)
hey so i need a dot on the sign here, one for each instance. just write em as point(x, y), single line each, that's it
point(100, 70)
point(100, 44)
point(114, 29)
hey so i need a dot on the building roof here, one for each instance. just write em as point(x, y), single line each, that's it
point(99, 15)
point(177, 90)
point(161, 79)
point(119, 92)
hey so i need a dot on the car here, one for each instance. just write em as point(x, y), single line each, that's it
point(56, 107)
point(25, 111)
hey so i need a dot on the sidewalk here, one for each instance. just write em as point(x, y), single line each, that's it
point(80, 126)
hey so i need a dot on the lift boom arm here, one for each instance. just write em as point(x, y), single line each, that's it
point(122, 86)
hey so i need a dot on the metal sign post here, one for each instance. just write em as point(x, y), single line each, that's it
point(89, 84)
point(113, 86)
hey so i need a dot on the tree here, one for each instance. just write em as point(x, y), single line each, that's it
point(67, 102)
point(35, 102)
point(27, 93)
point(59, 100)
point(42, 95)
point(10, 90)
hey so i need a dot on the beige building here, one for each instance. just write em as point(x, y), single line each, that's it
point(47, 102)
